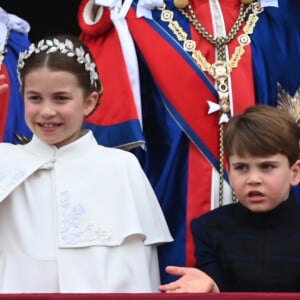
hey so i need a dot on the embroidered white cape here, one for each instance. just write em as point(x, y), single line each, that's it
point(81, 218)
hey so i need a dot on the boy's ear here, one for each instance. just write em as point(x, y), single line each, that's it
point(295, 173)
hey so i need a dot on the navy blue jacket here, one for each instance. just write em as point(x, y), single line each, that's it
point(246, 251)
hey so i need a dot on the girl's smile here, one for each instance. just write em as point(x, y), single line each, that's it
point(55, 107)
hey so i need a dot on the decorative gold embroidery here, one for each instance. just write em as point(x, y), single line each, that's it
point(221, 69)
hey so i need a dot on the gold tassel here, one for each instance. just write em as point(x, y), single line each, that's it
point(289, 103)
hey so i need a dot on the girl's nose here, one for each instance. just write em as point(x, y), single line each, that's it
point(47, 110)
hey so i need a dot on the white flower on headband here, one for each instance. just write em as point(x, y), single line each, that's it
point(67, 47)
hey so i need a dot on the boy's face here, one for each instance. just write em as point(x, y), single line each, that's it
point(262, 183)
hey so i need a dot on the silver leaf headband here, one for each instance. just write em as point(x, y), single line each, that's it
point(65, 47)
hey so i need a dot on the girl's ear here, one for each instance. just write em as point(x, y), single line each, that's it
point(295, 173)
point(91, 102)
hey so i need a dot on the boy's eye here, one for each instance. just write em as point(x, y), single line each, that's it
point(267, 166)
point(240, 167)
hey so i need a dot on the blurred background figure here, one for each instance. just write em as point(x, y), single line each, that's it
point(13, 40)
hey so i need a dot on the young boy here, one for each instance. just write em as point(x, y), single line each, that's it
point(252, 245)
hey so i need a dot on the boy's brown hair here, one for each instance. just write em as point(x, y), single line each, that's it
point(262, 131)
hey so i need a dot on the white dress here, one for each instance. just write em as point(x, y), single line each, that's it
point(81, 218)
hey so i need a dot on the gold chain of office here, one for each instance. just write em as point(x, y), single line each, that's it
point(221, 69)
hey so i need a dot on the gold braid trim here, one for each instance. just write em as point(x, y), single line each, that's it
point(221, 69)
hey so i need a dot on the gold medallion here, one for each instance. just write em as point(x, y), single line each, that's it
point(181, 3)
point(246, 1)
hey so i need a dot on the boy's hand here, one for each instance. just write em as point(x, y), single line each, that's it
point(191, 280)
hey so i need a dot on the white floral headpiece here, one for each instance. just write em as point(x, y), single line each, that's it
point(65, 47)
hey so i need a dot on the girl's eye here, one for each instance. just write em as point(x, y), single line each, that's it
point(62, 98)
point(34, 98)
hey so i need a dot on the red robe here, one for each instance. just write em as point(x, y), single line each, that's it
point(182, 144)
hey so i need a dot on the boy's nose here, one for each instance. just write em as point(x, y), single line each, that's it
point(254, 178)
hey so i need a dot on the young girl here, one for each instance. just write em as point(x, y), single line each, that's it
point(74, 216)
